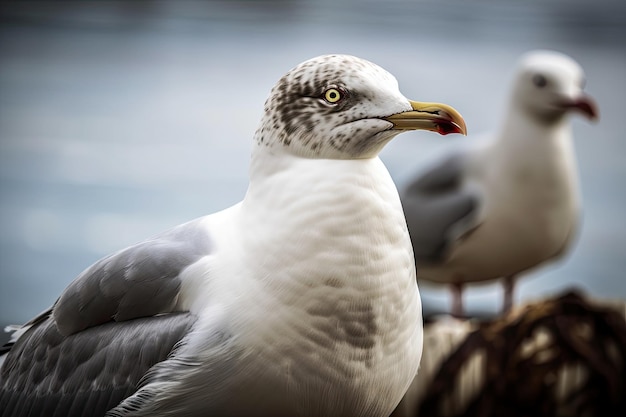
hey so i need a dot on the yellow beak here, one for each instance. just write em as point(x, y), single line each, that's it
point(435, 117)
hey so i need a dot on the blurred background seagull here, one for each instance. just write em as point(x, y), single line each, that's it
point(494, 209)
point(299, 301)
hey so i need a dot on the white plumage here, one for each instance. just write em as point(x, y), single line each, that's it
point(299, 301)
point(498, 208)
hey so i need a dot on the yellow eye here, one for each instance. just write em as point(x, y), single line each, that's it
point(332, 95)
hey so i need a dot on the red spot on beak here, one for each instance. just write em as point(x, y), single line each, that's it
point(445, 127)
point(585, 104)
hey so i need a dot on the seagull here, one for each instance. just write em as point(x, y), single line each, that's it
point(301, 300)
point(498, 208)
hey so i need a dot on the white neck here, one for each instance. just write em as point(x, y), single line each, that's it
point(540, 144)
point(302, 201)
point(353, 295)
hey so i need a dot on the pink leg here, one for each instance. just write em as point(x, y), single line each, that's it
point(509, 289)
point(457, 299)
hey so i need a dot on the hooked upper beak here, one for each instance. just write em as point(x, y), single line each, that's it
point(436, 117)
point(583, 103)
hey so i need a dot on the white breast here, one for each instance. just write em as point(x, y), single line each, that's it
point(530, 207)
point(324, 267)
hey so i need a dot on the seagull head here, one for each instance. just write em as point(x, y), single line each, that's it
point(549, 85)
point(344, 107)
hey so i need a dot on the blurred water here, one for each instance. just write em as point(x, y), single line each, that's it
point(121, 119)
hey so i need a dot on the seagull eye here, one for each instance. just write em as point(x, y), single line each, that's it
point(539, 80)
point(332, 95)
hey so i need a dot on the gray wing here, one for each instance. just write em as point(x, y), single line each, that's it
point(86, 373)
point(438, 208)
point(90, 350)
point(140, 281)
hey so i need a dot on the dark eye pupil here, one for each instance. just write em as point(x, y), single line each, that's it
point(539, 80)
point(333, 95)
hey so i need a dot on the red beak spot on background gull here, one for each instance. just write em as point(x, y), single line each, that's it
point(585, 105)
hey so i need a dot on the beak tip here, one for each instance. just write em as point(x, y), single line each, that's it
point(451, 121)
point(450, 127)
point(588, 107)
point(436, 117)
point(451, 124)
point(585, 105)
point(463, 130)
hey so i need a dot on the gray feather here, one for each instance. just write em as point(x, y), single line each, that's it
point(199, 380)
point(87, 373)
point(140, 281)
point(437, 208)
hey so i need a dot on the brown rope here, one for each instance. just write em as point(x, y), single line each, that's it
point(520, 381)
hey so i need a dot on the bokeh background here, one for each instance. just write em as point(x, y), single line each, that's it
point(120, 119)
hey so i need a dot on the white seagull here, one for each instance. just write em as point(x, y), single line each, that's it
point(301, 300)
point(497, 209)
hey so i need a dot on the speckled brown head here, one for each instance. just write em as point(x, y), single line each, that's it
point(344, 107)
